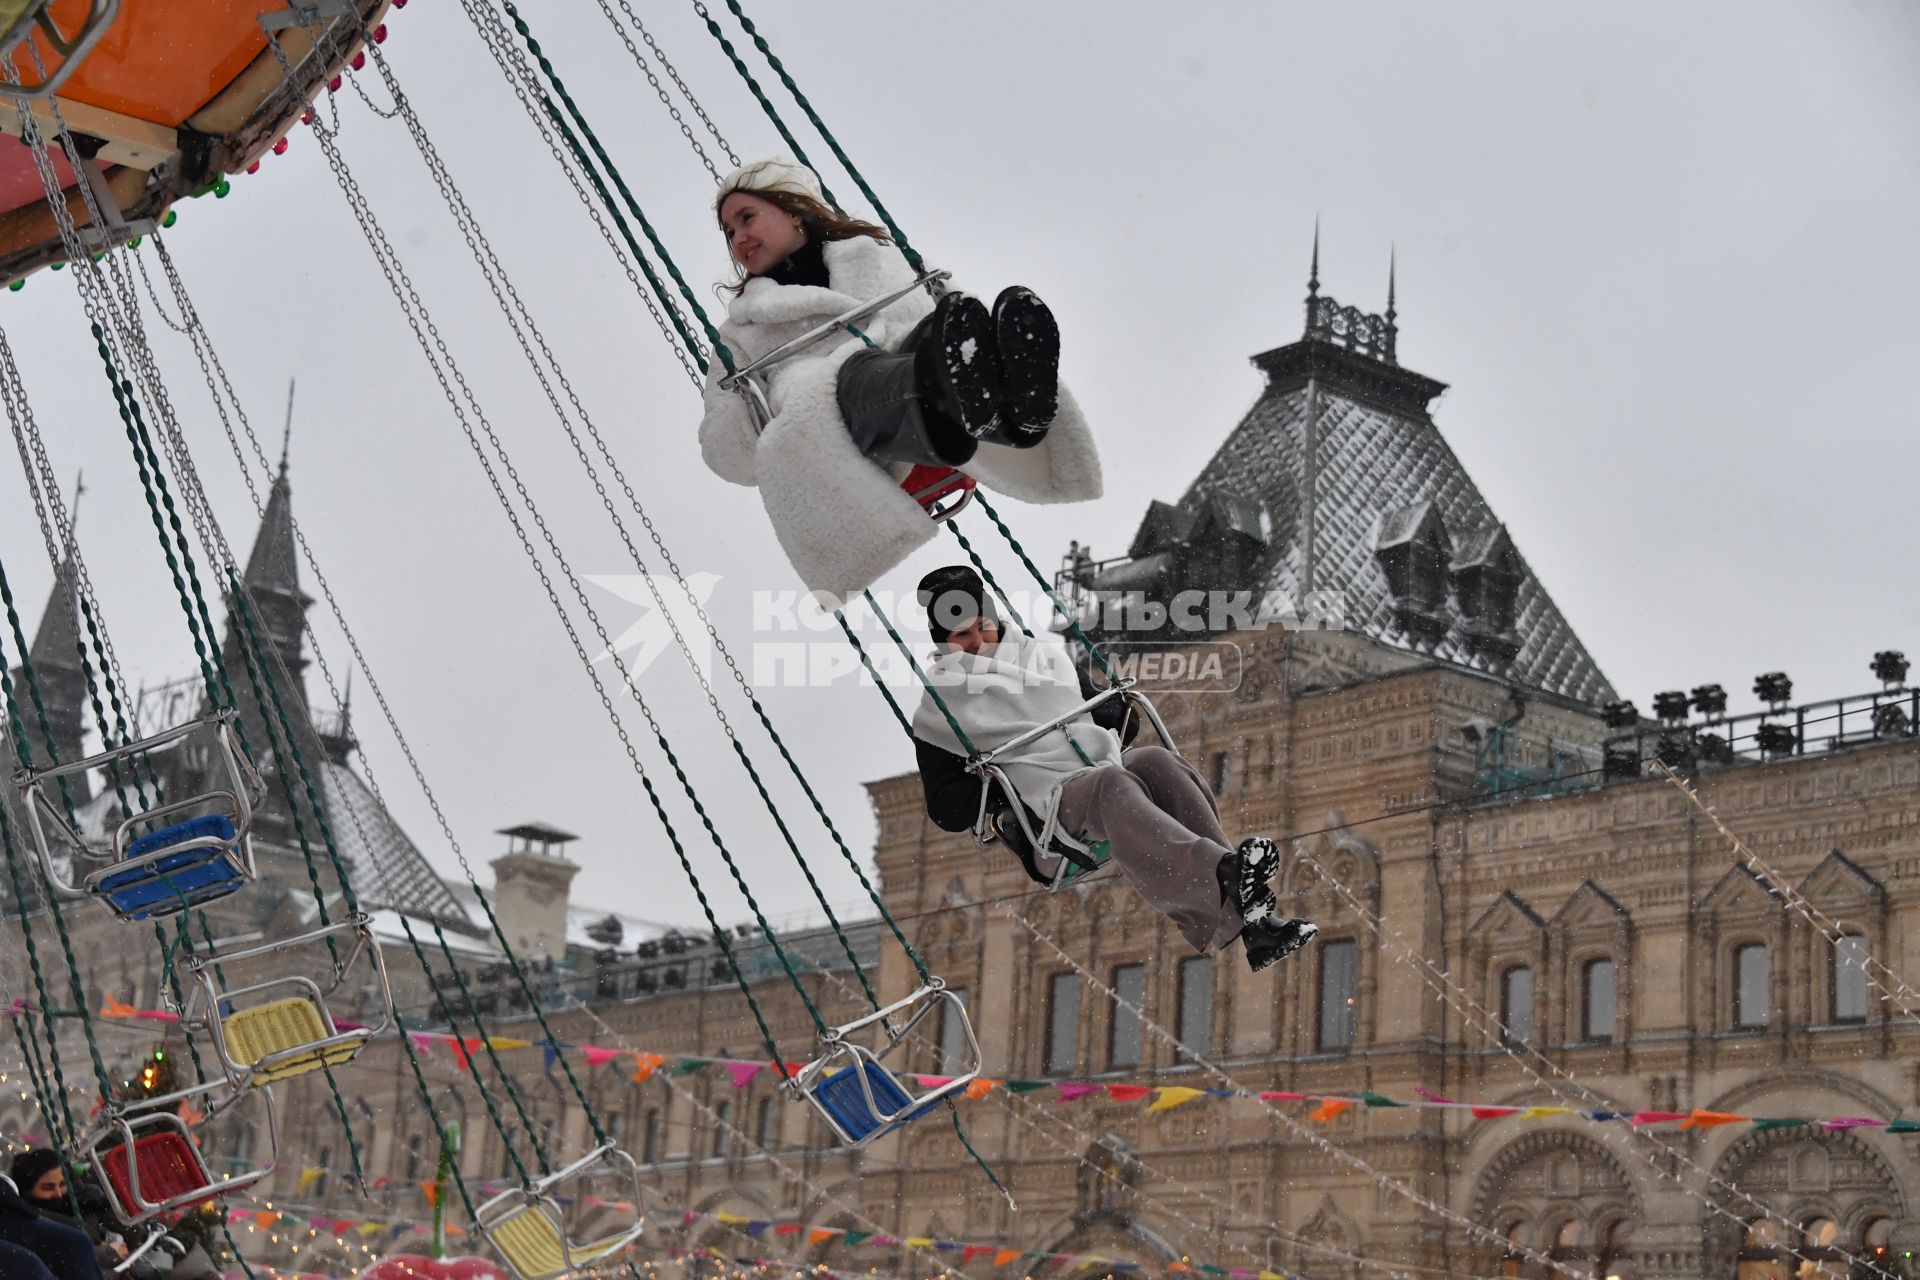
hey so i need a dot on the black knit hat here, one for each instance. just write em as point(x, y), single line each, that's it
point(953, 597)
point(31, 1166)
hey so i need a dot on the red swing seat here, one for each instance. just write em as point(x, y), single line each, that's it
point(927, 485)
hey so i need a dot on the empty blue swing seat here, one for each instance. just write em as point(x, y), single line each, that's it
point(842, 1098)
point(175, 882)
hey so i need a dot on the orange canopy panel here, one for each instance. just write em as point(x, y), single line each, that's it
point(20, 179)
point(162, 60)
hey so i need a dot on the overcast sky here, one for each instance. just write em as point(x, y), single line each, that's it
point(1663, 255)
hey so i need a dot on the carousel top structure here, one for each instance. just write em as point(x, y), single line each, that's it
point(163, 96)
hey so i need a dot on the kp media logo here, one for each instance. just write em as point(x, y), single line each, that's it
point(664, 608)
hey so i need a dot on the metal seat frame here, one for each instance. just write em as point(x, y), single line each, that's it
point(124, 1124)
point(1073, 868)
point(71, 49)
point(750, 381)
point(206, 1000)
point(245, 792)
point(537, 1196)
point(840, 1051)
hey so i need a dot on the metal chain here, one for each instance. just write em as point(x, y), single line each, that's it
point(518, 316)
point(512, 64)
point(447, 374)
point(639, 59)
point(692, 101)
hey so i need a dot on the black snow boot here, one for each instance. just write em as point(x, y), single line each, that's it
point(880, 400)
point(1028, 339)
point(1273, 939)
point(957, 364)
point(1244, 875)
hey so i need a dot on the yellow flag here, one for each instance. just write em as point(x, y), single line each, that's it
point(731, 1219)
point(1541, 1113)
point(1172, 1095)
point(310, 1176)
point(368, 1228)
point(919, 1242)
point(503, 1042)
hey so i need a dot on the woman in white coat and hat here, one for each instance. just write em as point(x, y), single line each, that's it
point(947, 383)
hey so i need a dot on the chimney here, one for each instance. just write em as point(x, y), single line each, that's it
point(530, 884)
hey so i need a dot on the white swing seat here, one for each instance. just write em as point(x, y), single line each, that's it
point(987, 826)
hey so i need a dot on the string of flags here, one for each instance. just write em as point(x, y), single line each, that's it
point(741, 1072)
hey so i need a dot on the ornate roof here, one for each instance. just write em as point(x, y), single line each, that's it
point(1352, 482)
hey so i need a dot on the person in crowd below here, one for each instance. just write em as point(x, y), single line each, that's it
point(920, 388)
point(44, 1184)
point(1080, 784)
point(52, 1250)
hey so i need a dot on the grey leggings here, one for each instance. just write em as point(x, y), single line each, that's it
point(1164, 829)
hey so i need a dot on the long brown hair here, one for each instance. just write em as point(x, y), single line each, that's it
point(818, 220)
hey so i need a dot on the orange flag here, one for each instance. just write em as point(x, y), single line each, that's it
point(111, 1008)
point(646, 1064)
point(820, 1235)
point(432, 1191)
point(1004, 1256)
point(980, 1088)
point(1330, 1108)
point(266, 1219)
point(1708, 1119)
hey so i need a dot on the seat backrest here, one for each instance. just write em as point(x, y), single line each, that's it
point(168, 1165)
point(529, 1242)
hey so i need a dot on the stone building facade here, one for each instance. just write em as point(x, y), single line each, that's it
point(1521, 903)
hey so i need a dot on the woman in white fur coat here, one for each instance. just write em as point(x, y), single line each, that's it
point(947, 384)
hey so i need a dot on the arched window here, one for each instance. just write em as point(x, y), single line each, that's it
point(1218, 770)
point(1596, 1001)
point(413, 1158)
point(1847, 979)
point(1752, 978)
point(1824, 1259)
point(763, 1127)
point(1516, 1003)
point(723, 1131)
point(650, 1138)
point(1515, 1262)
point(1761, 1257)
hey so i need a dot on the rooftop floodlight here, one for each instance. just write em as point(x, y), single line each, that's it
point(1776, 739)
point(1715, 749)
point(1773, 688)
point(1619, 715)
point(1671, 706)
point(1710, 700)
point(1890, 667)
point(1676, 750)
point(1621, 764)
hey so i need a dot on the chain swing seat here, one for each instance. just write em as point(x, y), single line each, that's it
point(259, 1040)
point(942, 492)
point(1015, 824)
point(150, 867)
point(853, 1089)
point(148, 1159)
point(20, 20)
point(527, 1227)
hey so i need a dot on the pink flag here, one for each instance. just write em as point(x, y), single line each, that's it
point(932, 1082)
point(1278, 1095)
point(690, 1216)
point(599, 1057)
point(744, 1072)
point(421, 1040)
point(1658, 1117)
point(1427, 1096)
point(1852, 1122)
point(1073, 1092)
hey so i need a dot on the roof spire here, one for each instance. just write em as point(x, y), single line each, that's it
point(1393, 267)
point(286, 435)
point(1313, 273)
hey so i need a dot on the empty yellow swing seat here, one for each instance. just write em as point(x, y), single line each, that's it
point(254, 1036)
point(532, 1245)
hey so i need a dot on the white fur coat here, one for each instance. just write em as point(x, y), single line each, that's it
point(842, 518)
point(997, 696)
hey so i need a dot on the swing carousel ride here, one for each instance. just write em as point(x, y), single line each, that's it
point(114, 111)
